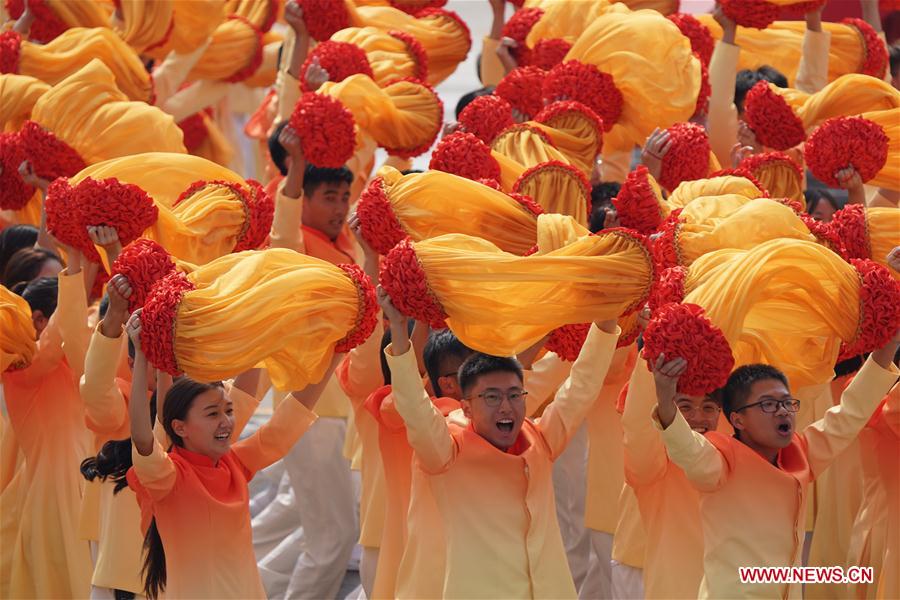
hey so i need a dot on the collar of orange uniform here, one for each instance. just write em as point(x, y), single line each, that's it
point(200, 460)
point(318, 243)
point(519, 446)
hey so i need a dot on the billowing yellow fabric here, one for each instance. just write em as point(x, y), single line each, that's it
point(18, 93)
point(258, 12)
point(666, 7)
point(404, 115)
point(525, 144)
point(501, 304)
point(144, 23)
point(781, 179)
point(388, 56)
point(883, 227)
point(80, 13)
point(786, 302)
point(446, 42)
point(558, 190)
point(889, 175)
point(195, 20)
point(215, 147)
point(277, 309)
point(659, 86)
point(17, 336)
point(575, 135)
point(713, 186)
point(267, 72)
point(780, 45)
point(434, 203)
point(75, 48)
point(564, 20)
point(89, 113)
point(234, 47)
point(29, 215)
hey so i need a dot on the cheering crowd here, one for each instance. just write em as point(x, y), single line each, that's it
point(632, 334)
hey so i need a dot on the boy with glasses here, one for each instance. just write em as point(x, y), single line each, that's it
point(490, 469)
point(753, 486)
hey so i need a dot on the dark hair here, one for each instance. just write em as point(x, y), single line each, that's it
point(601, 203)
point(41, 294)
point(737, 388)
point(813, 197)
point(25, 264)
point(315, 176)
point(747, 78)
point(411, 171)
point(15, 238)
point(276, 150)
point(481, 364)
point(178, 402)
point(895, 59)
point(441, 347)
point(467, 98)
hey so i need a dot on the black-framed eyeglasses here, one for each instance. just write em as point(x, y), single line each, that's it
point(493, 398)
point(771, 406)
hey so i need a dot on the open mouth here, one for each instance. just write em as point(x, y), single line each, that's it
point(700, 430)
point(784, 428)
point(223, 437)
point(505, 425)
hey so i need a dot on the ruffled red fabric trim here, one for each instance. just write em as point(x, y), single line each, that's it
point(791, 204)
point(688, 155)
point(110, 202)
point(850, 226)
point(562, 108)
point(486, 117)
point(556, 165)
point(378, 223)
point(402, 277)
point(63, 212)
point(528, 203)
point(637, 204)
point(165, 38)
point(668, 288)
point(194, 130)
point(438, 123)
point(416, 51)
point(879, 308)
point(702, 41)
point(703, 95)
point(567, 341)
point(465, 155)
point(546, 54)
point(875, 59)
point(825, 235)
point(798, 10)
point(758, 14)
point(46, 27)
point(665, 249)
point(255, 61)
point(771, 118)
point(517, 28)
point(415, 6)
point(340, 59)
point(683, 330)
point(522, 89)
point(574, 80)
point(158, 321)
point(843, 141)
point(50, 156)
point(10, 48)
point(14, 192)
point(755, 163)
point(324, 17)
point(533, 250)
point(326, 129)
point(367, 310)
point(449, 14)
point(741, 172)
point(143, 262)
point(260, 214)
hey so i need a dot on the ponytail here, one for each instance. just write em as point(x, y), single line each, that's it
point(154, 570)
point(112, 462)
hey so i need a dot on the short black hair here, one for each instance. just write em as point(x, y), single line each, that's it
point(315, 176)
point(13, 239)
point(481, 364)
point(737, 388)
point(411, 171)
point(442, 346)
point(895, 59)
point(601, 203)
point(467, 98)
point(277, 151)
point(747, 78)
point(24, 265)
point(814, 196)
point(41, 294)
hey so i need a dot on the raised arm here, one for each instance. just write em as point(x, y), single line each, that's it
point(243, 396)
point(722, 119)
point(139, 412)
point(71, 311)
point(645, 452)
point(286, 232)
point(288, 83)
point(492, 67)
point(812, 72)
point(173, 70)
point(542, 379)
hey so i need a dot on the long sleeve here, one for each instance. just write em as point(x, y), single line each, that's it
point(286, 232)
point(288, 88)
point(542, 381)
point(363, 368)
point(565, 414)
point(645, 452)
point(244, 406)
point(104, 404)
point(832, 434)
point(275, 437)
point(721, 122)
point(812, 73)
point(492, 70)
point(72, 310)
point(172, 72)
point(703, 464)
point(426, 428)
point(195, 98)
point(155, 472)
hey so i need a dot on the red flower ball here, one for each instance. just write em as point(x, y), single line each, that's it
point(825, 235)
point(10, 47)
point(486, 117)
point(875, 61)
point(702, 42)
point(566, 341)
point(50, 156)
point(326, 129)
point(668, 288)
point(194, 130)
point(416, 51)
point(849, 225)
point(402, 277)
point(844, 141)
point(412, 7)
point(771, 118)
point(14, 192)
point(109, 202)
point(260, 213)
point(465, 155)
point(378, 223)
point(688, 155)
point(491, 183)
point(63, 209)
point(324, 17)
point(367, 311)
point(340, 59)
point(758, 14)
point(546, 54)
point(574, 80)
point(46, 27)
point(522, 89)
point(637, 203)
point(879, 302)
point(255, 61)
point(552, 113)
point(143, 262)
point(683, 330)
point(158, 321)
point(518, 27)
point(799, 10)
point(665, 247)
point(703, 94)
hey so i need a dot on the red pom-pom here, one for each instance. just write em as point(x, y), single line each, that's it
point(255, 61)
point(404, 280)
point(46, 26)
point(637, 203)
point(486, 117)
point(324, 17)
point(556, 111)
point(491, 183)
point(844, 141)
point(771, 118)
point(158, 321)
point(665, 249)
point(465, 155)
point(555, 165)
point(702, 41)
point(413, 7)
point(755, 164)
point(378, 223)
point(50, 156)
point(791, 12)
point(702, 104)
point(825, 235)
point(546, 54)
point(143, 262)
point(10, 47)
point(875, 61)
point(879, 308)
point(668, 288)
point(260, 209)
point(522, 89)
point(758, 14)
point(688, 155)
point(566, 341)
point(683, 330)
point(517, 28)
point(14, 192)
point(416, 50)
point(326, 129)
point(428, 137)
point(109, 202)
point(340, 59)
point(574, 80)
point(194, 130)
point(851, 227)
point(63, 209)
point(528, 203)
point(367, 310)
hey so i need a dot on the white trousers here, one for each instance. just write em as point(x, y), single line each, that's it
point(598, 583)
point(627, 582)
point(570, 488)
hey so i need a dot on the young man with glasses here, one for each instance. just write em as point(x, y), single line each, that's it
point(490, 469)
point(753, 486)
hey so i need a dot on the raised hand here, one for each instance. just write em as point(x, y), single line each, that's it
point(655, 150)
point(293, 16)
point(26, 172)
point(316, 75)
point(666, 374)
point(133, 330)
point(370, 260)
point(119, 291)
point(107, 238)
